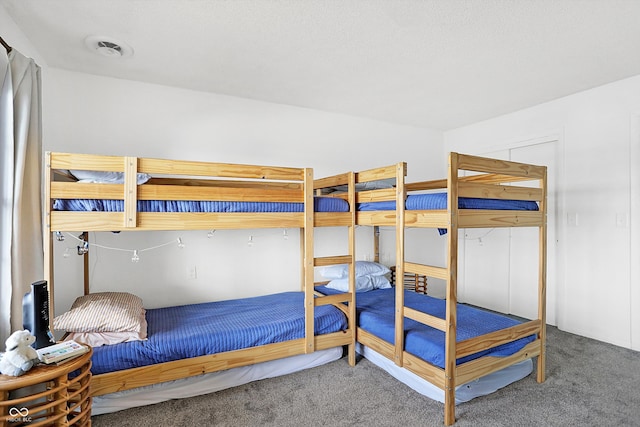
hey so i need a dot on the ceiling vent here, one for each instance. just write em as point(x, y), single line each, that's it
point(107, 46)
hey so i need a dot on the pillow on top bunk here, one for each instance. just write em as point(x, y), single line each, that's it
point(104, 312)
point(363, 283)
point(363, 268)
point(370, 185)
point(99, 177)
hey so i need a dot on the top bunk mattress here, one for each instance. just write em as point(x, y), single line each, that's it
point(321, 204)
point(199, 329)
point(437, 201)
point(376, 310)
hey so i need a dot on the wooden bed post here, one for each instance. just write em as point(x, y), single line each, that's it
point(451, 293)
point(401, 194)
point(542, 283)
point(352, 267)
point(47, 236)
point(85, 264)
point(308, 224)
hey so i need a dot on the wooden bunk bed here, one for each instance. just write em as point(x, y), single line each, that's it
point(487, 184)
point(185, 182)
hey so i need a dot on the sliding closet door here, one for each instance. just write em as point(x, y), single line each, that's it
point(499, 267)
point(523, 274)
point(485, 257)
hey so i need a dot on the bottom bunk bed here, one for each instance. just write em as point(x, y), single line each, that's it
point(375, 319)
point(177, 351)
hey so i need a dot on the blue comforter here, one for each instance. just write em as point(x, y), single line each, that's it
point(198, 329)
point(375, 314)
point(321, 204)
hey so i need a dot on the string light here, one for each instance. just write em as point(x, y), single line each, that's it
point(250, 242)
point(285, 236)
point(210, 234)
point(59, 236)
point(83, 248)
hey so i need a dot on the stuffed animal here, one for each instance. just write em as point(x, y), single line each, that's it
point(20, 356)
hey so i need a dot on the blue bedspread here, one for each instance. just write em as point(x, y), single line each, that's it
point(199, 329)
point(321, 204)
point(375, 314)
point(434, 201)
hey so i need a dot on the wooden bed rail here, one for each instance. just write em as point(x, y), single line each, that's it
point(90, 162)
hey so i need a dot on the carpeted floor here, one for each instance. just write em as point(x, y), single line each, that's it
point(589, 383)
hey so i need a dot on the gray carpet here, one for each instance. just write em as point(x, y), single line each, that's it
point(589, 383)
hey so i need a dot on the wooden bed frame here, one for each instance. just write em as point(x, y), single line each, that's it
point(191, 180)
point(488, 181)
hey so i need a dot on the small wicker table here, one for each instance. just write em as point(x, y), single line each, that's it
point(56, 395)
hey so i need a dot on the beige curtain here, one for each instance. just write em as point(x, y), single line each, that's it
point(21, 250)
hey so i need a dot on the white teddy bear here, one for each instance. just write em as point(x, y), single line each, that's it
point(20, 356)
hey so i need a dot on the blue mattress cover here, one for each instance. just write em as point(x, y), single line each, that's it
point(321, 204)
point(434, 201)
point(375, 314)
point(198, 329)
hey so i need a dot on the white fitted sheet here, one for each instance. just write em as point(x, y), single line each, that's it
point(209, 383)
point(479, 387)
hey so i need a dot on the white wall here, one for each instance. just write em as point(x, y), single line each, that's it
point(595, 293)
point(91, 114)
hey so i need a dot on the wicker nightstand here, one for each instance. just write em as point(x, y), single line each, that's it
point(48, 395)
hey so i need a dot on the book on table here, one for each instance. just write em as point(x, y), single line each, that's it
point(61, 352)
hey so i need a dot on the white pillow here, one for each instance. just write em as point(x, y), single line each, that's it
point(363, 283)
point(104, 312)
point(99, 177)
point(97, 339)
point(363, 268)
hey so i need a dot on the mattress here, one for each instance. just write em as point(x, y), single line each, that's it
point(375, 314)
point(186, 331)
point(435, 201)
point(210, 382)
point(321, 204)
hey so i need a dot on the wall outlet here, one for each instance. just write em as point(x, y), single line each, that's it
point(192, 272)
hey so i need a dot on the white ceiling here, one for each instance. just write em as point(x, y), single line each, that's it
point(438, 64)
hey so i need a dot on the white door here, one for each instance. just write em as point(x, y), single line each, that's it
point(499, 267)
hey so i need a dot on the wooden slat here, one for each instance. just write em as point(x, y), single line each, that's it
point(426, 185)
point(424, 370)
point(175, 192)
point(425, 318)
point(478, 218)
point(375, 195)
point(332, 260)
point(494, 339)
point(477, 368)
point(154, 221)
point(493, 178)
point(87, 162)
point(258, 184)
point(79, 190)
point(332, 299)
point(428, 372)
point(484, 164)
point(376, 174)
point(426, 270)
point(227, 170)
point(328, 219)
point(503, 192)
point(331, 181)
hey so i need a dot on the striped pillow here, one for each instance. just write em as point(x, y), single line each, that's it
point(104, 312)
